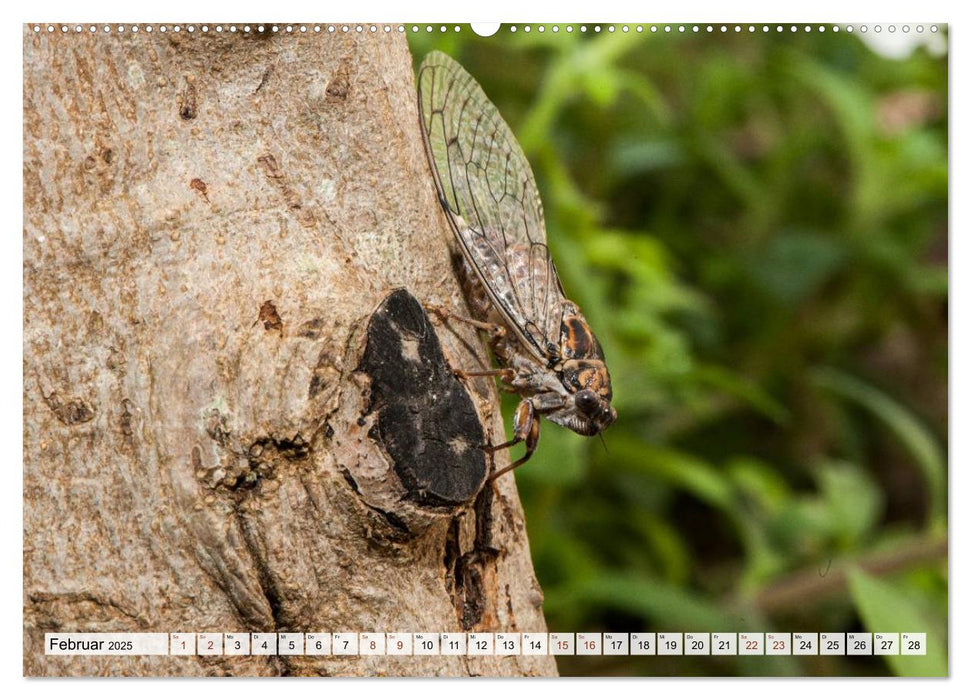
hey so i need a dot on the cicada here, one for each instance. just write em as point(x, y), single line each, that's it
point(546, 350)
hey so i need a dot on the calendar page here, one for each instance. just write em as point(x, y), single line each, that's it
point(423, 349)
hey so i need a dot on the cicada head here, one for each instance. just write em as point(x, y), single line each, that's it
point(583, 374)
point(587, 410)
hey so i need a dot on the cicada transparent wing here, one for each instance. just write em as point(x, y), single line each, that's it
point(489, 194)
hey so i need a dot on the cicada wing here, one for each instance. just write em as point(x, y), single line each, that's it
point(489, 194)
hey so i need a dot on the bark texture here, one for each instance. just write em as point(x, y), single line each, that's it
point(232, 419)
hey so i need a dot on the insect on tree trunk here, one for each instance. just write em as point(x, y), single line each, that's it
point(237, 416)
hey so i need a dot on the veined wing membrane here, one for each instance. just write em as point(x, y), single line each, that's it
point(491, 199)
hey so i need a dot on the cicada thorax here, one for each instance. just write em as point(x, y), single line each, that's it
point(577, 341)
point(583, 365)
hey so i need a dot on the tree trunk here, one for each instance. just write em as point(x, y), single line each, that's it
point(232, 421)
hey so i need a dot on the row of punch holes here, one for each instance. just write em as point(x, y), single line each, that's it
point(387, 28)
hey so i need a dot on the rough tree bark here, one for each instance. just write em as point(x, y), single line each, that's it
point(232, 422)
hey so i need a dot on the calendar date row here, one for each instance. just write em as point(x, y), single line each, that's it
point(486, 643)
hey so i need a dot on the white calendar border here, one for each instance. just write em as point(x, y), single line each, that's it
point(179, 10)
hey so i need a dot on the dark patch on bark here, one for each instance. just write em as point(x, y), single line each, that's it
point(472, 594)
point(187, 102)
point(248, 479)
point(426, 420)
point(483, 523)
point(270, 317)
point(71, 411)
point(465, 572)
point(340, 84)
point(126, 416)
point(217, 427)
point(265, 457)
point(266, 76)
point(351, 481)
point(276, 176)
point(324, 371)
point(311, 329)
point(452, 553)
point(201, 187)
point(273, 595)
point(290, 449)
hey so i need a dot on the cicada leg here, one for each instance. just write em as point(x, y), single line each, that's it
point(494, 330)
point(525, 428)
point(505, 374)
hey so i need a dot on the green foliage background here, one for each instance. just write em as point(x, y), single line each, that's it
point(756, 227)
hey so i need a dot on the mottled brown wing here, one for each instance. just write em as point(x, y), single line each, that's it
point(487, 189)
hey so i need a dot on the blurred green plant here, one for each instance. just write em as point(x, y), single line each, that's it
point(756, 227)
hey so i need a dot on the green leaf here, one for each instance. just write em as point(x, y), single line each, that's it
point(904, 425)
point(760, 482)
point(885, 607)
point(682, 470)
point(744, 389)
point(853, 500)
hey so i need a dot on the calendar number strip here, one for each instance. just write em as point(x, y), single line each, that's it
point(485, 644)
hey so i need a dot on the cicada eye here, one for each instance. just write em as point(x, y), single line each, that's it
point(587, 401)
